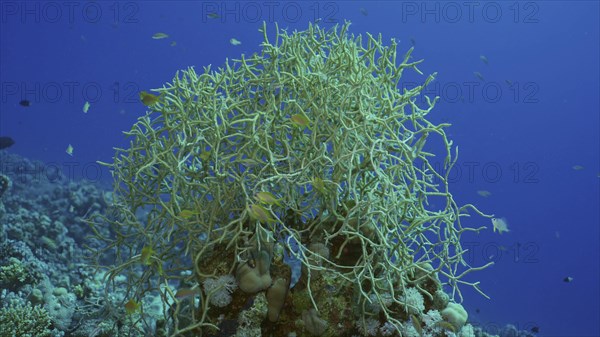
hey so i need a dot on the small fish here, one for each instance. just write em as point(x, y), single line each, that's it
point(205, 155)
point(300, 120)
point(69, 150)
point(413, 42)
point(249, 162)
point(148, 99)
point(213, 15)
point(416, 324)
point(535, 329)
point(159, 269)
point(259, 213)
point(446, 325)
point(186, 213)
point(132, 306)
point(478, 75)
point(159, 36)
point(319, 185)
point(568, 279)
point(25, 102)
point(6, 142)
point(184, 293)
point(146, 255)
point(500, 225)
point(577, 167)
point(235, 41)
point(484, 193)
point(173, 44)
point(483, 59)
point(267, 198)
point(364, 11)
point(86, 107)
point(509, 82)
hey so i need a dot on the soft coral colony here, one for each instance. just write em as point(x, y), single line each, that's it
point(287, 194)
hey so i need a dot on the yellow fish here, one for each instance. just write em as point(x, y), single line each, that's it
point(577, 167)
point(159, 36)
point(300, 120)
point(500, 225)
point(132, 306)
point(483, 59)
point(205, 155)
point(186, 213)
point(146, 255)
point(235, 42)
point(319, 185)
point(259, 213)
point(267, 198)
point(148, 99)
point(69, 150)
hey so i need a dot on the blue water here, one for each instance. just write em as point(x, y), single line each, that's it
point(520, 131)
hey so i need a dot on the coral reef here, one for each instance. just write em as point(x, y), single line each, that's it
point(47, 290)
point(43, 273)
point(306, 151)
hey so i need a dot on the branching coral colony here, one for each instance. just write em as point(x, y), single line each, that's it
point(306, 152)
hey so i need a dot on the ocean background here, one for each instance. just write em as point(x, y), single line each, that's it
point(527, 130)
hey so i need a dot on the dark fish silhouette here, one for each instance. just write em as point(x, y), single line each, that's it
point(25, 102)
point(6, 142)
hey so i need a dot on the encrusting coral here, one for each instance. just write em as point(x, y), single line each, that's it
point(4, 184)
point(308, 150)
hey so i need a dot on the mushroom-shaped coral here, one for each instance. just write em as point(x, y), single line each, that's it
point(253, 279)
point(276, 297)
point(313, 323)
